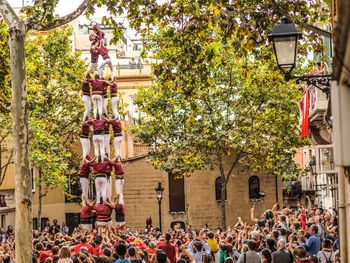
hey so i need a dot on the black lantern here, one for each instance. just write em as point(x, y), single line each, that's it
point(159, 193)
point(284, 38)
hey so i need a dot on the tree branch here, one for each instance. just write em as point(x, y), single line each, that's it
point(9, 14)
point(5, 167)
point(235, 161)
point(66, 19)
point(5, 135)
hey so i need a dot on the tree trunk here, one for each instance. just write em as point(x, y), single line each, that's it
point(40, 199)
point(23, 224)
point(223, 203)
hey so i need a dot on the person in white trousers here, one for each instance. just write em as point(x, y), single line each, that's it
point(84, 174)
point(84, 138)
point(98, 125)
point(118, 137)
point(119, 178)
point(100, 171)
point(107, 139)
point(94, 54)
point(109, 167)
point(103, 51)
point(85, 97)
point(114, 98)
point(97, 86)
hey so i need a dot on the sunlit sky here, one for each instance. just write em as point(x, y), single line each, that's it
point(63, 8)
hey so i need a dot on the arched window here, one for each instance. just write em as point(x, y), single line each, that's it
point(254, 187)
point(218, 186)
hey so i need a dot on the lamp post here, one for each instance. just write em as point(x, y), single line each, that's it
point(159, 193)
point(284, 37)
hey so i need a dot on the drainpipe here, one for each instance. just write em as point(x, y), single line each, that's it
point(342, 215)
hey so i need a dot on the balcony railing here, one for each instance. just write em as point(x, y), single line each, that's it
point(124, 70)
point(307, 184)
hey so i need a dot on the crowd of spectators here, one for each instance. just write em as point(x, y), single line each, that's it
point(278, 236)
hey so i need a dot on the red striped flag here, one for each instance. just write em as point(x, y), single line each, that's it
point(305, 115)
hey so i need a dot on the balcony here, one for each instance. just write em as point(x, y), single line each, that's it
point(307, 184)
point(318, 105)
point(291, 188)
point(127, 70)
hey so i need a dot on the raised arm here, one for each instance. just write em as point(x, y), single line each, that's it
point(88, 202)
point(252, 216)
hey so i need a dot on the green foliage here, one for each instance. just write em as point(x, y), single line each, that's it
point(217, 92)
point(5, 96)
point(54, 75)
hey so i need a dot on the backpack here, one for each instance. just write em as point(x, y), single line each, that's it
point(328, 260)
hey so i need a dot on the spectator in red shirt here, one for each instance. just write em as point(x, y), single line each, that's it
point(43, 255)
point(83, 243)
point(168, 248)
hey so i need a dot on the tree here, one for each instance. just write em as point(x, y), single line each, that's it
point(6, 152)
point(40, 17)
point(54, 77)
point(217, 93)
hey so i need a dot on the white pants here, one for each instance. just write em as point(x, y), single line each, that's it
point(115, 107)
point(119, 185)
point(87, 227)
point(87, 104)
point(107, 139)
point(117, 145)
point(91, 67)
point(99, 145)
point(97, 101)
point(101, 188)
point(84, 182)
point(105, 106)
point(85, 145)
point(108, 62)
point(109, 188)
point(217, 257)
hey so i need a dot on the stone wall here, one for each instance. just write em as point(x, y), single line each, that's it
point(201, 207)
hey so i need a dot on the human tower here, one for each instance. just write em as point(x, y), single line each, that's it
point(101, 167)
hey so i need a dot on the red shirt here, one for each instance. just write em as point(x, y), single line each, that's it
point(103, 212)
point(169, 250)
point(106, 127)
point(85, 88)
point(87, 245)
point(117, 127)
point(94, 55)
point(118, 168)
point(109, 166)
point(86, 212)
point(85, 169)
point(43, 255)
point(103, 52)
point(98, 125)
point(114, 88)
point(85, 129)
point(102, 167)
point(97, 86)
point(119, 210)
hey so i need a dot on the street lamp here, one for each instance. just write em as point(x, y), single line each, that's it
point(159, 193)
point(284, 37)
